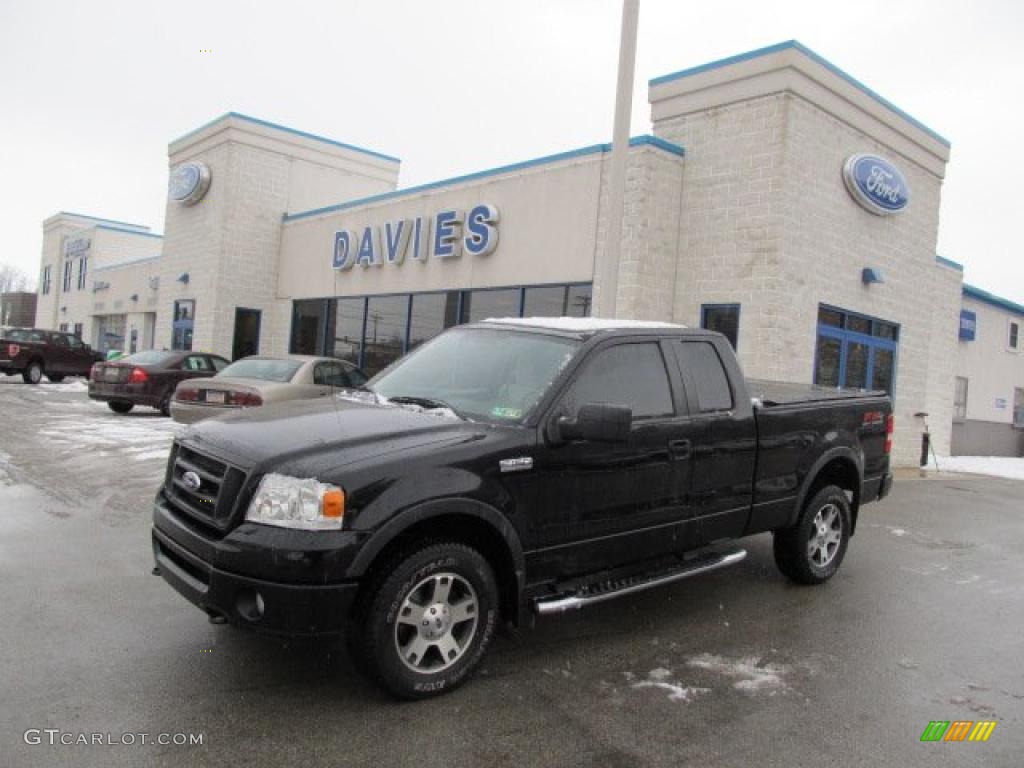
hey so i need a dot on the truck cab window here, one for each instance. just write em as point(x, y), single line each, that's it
point(703, 368)
point(626, 374)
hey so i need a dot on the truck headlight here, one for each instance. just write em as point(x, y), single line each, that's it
point(292, 502)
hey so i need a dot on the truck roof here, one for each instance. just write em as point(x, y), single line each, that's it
point(582, 325)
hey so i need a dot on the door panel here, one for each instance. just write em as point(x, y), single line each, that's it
point(599, 504)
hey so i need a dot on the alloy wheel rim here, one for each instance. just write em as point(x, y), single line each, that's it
point(436, 623)
point(826, 535)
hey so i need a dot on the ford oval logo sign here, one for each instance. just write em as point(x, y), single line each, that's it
point(876, 184)
point(192, 481)
point(188, 182)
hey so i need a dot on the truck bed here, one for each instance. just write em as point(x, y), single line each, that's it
point(780, 393)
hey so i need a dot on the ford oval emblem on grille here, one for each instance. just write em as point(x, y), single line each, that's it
point(191, 481)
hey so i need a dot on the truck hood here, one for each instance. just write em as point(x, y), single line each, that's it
point(284, 432)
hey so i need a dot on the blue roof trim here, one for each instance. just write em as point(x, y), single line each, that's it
point(949, 263)
point(128, 231)
point(990, 298)
point(795, 45)
point(95, 218)
point(286, 129)
point(593, 149)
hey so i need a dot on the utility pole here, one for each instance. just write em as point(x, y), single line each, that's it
point(609, 267)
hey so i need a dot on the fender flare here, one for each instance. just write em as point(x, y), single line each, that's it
point(838, 452)
point(409, 517)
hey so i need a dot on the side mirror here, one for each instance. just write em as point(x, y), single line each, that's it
point(599, 423)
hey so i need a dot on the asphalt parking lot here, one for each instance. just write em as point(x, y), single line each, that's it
point(925, 621)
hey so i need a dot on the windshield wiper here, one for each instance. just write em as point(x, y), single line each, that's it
point(424, 402)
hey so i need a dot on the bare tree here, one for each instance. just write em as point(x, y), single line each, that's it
point(13, 279)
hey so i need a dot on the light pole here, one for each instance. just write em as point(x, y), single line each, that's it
point(608, 269)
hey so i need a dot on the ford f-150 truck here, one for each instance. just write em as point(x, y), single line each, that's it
point(505, 469)
point(33, 352)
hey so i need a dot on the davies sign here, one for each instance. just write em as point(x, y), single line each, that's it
point(445, 235)
point(876, 184)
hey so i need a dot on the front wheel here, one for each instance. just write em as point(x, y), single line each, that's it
point(118, 406)
point(426, 621)
point(55, 378)
point(33, 374)
point(811, 551)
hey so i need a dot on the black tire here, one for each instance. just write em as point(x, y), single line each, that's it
point(811, 551)
point(119, 406)
point(165, 403)
point(407, 584)
point(55, 378)
point(33, 374)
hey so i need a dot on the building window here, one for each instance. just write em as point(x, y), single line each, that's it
point(723, 318)
point(67, 275)
point(482, 304)
point(1013, 336)
point(960, 399)
point(431, 314)
point(183, 325)
point(557, 301)
point(47, 275)
point(387, 319)
point(83, 264)
point(78, 330)
point(309, 327)
point(63, 327)
point(1018, 407)
point(372, 331)
point(855, 351)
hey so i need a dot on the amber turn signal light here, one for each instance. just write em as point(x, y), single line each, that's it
point(334, 503)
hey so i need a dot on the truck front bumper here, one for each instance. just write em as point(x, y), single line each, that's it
point(292, 610)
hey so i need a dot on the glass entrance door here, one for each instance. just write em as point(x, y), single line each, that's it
point(247, 333)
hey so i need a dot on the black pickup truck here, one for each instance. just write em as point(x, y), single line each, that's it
point(33, 352)
point(506, 469)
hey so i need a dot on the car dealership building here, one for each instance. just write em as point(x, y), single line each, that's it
point(778, 200)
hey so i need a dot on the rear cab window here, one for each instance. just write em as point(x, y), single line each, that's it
point(704, 375)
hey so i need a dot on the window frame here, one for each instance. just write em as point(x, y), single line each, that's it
point(724, 305)
point(1013, 334)
point(845, 337)
point(690, 383)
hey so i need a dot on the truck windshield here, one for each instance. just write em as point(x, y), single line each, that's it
point(494, 375)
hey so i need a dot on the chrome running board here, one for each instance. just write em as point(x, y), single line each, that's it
point(607, 590)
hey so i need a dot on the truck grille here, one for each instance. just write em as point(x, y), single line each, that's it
point(212, 503)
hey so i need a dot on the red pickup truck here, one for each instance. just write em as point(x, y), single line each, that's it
point(34, 352)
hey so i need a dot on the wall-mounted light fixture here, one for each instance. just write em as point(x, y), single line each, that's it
point(183, 278)
point(134, 297)
point(64, 309)
point(154, 283)
point(870, 275)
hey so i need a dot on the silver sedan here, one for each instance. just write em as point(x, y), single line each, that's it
point(259, 380)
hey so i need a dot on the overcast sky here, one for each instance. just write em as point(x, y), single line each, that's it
point(92, 92)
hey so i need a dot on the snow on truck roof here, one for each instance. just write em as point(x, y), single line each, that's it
point(580, 324)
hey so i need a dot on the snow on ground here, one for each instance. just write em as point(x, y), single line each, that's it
point(994, 466)
point(143, 436)
point(750, 674)
point(658, 679)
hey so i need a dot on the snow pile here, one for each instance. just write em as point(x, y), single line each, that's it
point(751, 674)
point(994, 466)
point(367, 397)
point(659, 679)
point(141, 437)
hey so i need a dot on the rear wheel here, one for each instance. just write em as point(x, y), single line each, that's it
point(34, 373)
point(426, 620)
point(811, 551)
point(119, 406)
point(55, 378)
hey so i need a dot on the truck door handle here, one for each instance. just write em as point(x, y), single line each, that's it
point(680, 449)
